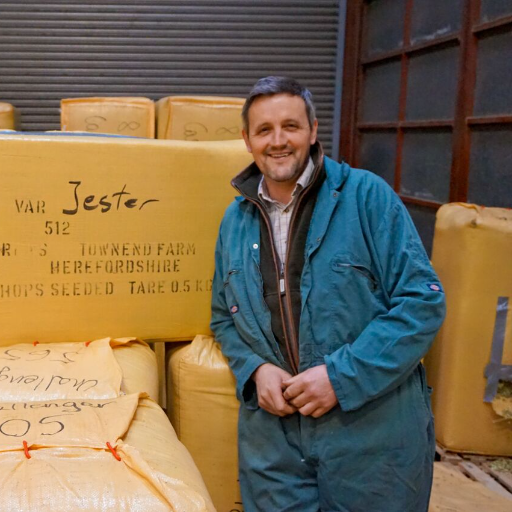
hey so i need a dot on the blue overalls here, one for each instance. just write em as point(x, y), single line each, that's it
point(371, 306)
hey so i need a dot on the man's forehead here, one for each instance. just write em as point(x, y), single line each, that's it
point(275, 105)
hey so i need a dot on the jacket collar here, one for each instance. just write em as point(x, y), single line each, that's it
point(337, 173)
point(248, 180)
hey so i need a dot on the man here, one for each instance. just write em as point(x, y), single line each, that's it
point(324, 302)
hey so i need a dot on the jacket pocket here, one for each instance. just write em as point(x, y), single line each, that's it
point(238, 302)
point(354, 300)
point(346, 265)
point(229, 275)
point(234, 286)
point(424, 389)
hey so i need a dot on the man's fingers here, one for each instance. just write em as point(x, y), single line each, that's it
point(276, 405)
point(318, 412)
point(288, 409)
point(272, 401)
point(308, 409)
point(289, 381)
point(283, 406)
point(293, 390)
point(299, 401)
point(269, 385)
point(265, 404)
point(284, 410)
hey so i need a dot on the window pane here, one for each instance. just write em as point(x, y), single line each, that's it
point(493, 93)
point(492, 9)
point(381, 92)
point(426, 165)
point(384, 30)
point(424, 219)
point(432, 85)
point(490, 176)
point(378, 154)
point(434, 18)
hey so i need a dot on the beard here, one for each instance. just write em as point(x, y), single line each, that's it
point(289, 170)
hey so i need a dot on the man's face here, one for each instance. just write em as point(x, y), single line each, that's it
point(279, 136)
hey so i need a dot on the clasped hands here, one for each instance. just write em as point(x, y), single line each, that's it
point(310, 392)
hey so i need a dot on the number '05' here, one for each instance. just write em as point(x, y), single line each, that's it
point(20, 428)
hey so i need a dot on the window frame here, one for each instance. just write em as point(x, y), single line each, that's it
point(355, 64)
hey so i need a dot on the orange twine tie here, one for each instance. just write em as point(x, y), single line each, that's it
point(114, 453)
point(25, 449)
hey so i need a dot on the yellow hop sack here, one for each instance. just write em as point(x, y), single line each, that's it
point(62, 455)
point(56, 371)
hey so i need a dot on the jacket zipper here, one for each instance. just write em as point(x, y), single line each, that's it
point(295, 369)
point(292, 346)
point(282, 278)
point(295, 339)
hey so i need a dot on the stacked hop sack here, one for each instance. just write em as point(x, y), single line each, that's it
point(203, 408)
point(470, 364)
point(76, 434)
point(8, 117)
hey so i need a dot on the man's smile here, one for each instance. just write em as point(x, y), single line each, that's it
point(279, 156)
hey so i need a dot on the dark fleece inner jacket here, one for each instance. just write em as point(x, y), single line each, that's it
point(247, 183)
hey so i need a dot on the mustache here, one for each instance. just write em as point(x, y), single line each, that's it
point(278, 149)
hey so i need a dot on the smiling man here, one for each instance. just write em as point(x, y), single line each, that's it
point(324, 302)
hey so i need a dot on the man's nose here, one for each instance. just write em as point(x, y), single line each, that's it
point(279, 137)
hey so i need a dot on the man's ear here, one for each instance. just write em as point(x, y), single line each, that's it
point(314, 131)
point(246, 140)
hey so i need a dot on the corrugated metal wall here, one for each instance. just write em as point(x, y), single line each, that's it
point(68, 48)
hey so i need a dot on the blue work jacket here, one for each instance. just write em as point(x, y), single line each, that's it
point(371, 303)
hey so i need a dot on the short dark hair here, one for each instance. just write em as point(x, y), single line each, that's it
point(271, 85)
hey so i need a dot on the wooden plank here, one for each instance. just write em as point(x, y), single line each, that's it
point(477, 459)
point(452, 467)
point(477, 474)
point(503, 477)
point(455, 492)
point(447, 456)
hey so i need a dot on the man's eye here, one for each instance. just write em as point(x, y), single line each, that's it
point(263, 130)
point(291, 126)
